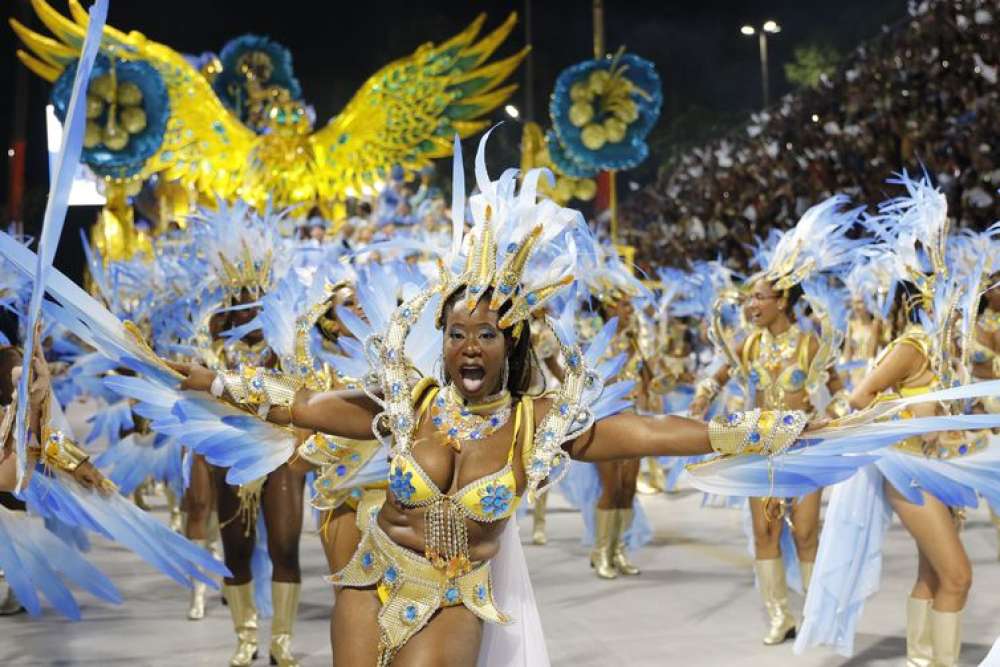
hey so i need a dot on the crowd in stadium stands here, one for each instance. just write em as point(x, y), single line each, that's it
point(922, 95)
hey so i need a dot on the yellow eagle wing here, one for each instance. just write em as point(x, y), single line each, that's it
point(408, 113)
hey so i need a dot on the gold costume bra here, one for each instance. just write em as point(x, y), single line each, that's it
point(947, 445)
point(777, 365)
point(487, 499)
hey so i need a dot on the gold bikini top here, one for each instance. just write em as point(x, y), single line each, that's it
point(777, 365)
point(487, 499)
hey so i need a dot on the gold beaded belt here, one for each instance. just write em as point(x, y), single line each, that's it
point(409, 586)
point(945, 447)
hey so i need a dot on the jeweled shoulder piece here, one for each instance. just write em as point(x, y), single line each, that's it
point(394, 375)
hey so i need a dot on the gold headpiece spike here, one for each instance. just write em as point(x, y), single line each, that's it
point(510, 273)
point(483, 268)
point(525, 304)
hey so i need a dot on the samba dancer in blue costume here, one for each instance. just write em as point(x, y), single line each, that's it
point(782, 364)
point(919, 478)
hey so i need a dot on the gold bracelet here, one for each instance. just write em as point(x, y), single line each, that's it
point(766, 432)
point(260, 389)
point(708, 389)
point(60, 452)
point(320, 450)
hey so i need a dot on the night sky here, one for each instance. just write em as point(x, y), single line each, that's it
point(703, 60)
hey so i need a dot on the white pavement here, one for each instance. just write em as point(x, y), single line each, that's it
point(693, 605)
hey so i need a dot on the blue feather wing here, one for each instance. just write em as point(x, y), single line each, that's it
point(123, 522)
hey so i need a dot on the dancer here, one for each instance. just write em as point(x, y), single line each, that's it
point(784, 366)
point(246, 256)
point(921, 478)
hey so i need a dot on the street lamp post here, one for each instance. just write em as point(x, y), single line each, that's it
point(773, 28)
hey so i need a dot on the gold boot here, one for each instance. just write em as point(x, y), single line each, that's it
point(538, 534)
point(806, 568)
point(657, 478)
point(618, 556)
point(286, 607)
point(600, 557)
point(241, 608)
point(774, 591)
point(196, 610)
point(946, 637)
point(919, 651)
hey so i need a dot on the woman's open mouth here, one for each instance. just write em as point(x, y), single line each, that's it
point(472, 377)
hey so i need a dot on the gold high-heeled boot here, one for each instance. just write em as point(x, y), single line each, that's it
point(286, 607)
point(657, 478)
point(241, 608)
point(806, 568)
point(946, 637)
point(196, 608)
point(600, 557)
point(538, 533)
point(774, 591)
point(919, 651)
point(619, 558)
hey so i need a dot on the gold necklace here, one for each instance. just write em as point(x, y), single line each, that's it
point(456, 421)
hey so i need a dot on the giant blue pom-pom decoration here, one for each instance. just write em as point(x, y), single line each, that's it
point(127, 112)
point(602, 111)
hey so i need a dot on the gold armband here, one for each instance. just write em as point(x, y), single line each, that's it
point(260, 389)
point(708, 389)
point(765, 432)
point(321, 450)
point(58, 451)
point(839, 405)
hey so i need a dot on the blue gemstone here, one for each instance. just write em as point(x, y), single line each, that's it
point(532, 298)
point(798, 376)
point(475, 435)
point(396, 388)
point(453, 431)
point(465, 412)
point(564, 409)
point(755, 437)
point(410, 613)
point(963, 449)
point(733, 418)
point(355, 457)
point(406, 312)
point(437, 421)
point(511, 247)
point(506, 289)
point(480, 592)
point(341, 470)
point(440, 402)
point(475, 289)
point(402, 421)
point(494, 421)
point(367, 560)
point(789, 420)
point(451, 595)
point(391, 575)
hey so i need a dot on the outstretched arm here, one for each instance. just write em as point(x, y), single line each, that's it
point(628, 435)
point(893, 368)
point(347, 414)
